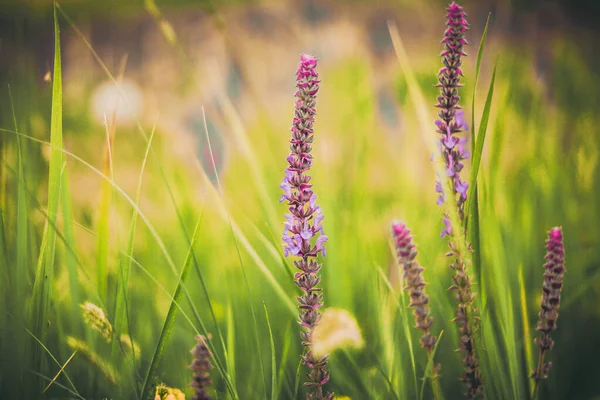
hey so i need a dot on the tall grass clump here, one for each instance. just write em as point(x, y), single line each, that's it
point(304, 222)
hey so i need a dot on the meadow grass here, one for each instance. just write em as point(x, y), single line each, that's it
point(210, 260)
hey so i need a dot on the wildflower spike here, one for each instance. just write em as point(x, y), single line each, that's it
point(303, 234)
point(449, 125)
point(551, 288)
point(451, 121)
point(201, 367)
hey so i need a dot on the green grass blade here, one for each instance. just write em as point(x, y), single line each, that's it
point(121, 313)
point(241, 261)
point(527, 339)
point(401, 305)
point(103, 222)
point(284, 355)
point(473, 233)
point(297, 380)
point(22, 266)
point(273, 358)
point(170, 319)
point(69, 240)
point(45, 348)
point(230, 354)
point(44, 274)
point(477, 69)
point(476, 156)
point(428, 367)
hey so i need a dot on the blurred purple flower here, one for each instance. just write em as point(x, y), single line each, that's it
point(304, 222)
point(552, 286)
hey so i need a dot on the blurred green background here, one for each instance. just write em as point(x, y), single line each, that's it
point(190, 73)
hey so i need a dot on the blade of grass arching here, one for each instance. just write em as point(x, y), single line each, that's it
point(203, 331)
point(103, 222)
point(60, 371)
point(121, 323)
point(430, 363)
point(284, 355)
point(473, 233)
point(56, 384)
point(477, 69)
point(44, 274)
point(43, 346)
point(473, 237)
point(476, 156)
point(69, 241)
point(241, 261)
point(402, 306)
point(22, 267)
point(273, 357)
point(230, 353)
point(527, 340)
point(297, 380)
point(170, 318)
point(415, 93)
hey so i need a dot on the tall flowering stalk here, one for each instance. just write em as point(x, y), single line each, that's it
point(453, 152)
point(201, 366)
point(415, 282)
point(406, 254)
point(304, 222)
point(551, 288)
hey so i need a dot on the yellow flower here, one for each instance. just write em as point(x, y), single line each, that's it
point(336, 329)
point(163, 392)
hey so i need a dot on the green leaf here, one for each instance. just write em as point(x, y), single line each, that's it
point(273, 359)
point(479, 146)
point(45, 268)
point(171, 315)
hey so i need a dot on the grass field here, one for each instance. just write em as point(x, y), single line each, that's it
point(170, 247)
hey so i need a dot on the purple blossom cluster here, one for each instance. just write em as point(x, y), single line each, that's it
point(303, 234)
point(451, 121)
point(554, 271)
point(406, 254)
point(201, 367)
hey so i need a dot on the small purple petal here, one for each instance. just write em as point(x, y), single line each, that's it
point(448, 228)
point(460, 119)
point(461, 187)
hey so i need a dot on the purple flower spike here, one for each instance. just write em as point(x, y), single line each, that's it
point(305, 222)
point(451, 122)
point(201, 367)
point(414, 280)
point(554, 271)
